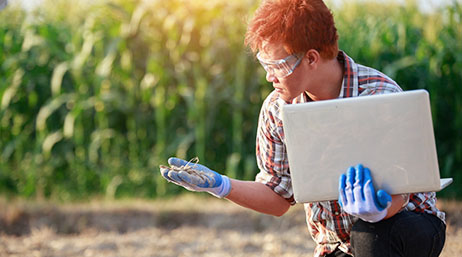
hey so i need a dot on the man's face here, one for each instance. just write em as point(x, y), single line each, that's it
point(288, 79)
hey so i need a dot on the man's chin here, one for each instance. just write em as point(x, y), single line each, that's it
point(284, 96)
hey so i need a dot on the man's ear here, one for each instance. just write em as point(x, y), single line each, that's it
point(313, 57)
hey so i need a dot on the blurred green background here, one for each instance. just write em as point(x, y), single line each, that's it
point(95, 96)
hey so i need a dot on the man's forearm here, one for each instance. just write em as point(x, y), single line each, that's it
point(258, 197)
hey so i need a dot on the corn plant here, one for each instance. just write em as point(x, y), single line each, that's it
point(93, 97)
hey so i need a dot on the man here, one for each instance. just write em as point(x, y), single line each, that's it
point(296, 43)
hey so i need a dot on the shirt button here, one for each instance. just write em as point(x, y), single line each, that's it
point(336, 213)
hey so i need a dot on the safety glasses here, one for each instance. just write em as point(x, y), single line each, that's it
point(280, 68)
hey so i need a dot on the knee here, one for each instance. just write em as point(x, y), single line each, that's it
point(405, 234)
point(367, 239)
point(362, 230)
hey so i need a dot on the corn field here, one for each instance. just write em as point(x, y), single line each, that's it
point(94, 97)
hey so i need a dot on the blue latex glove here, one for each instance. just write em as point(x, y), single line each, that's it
point(196, 177)
point(358, 197)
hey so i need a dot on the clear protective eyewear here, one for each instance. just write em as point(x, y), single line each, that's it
point(280, 68)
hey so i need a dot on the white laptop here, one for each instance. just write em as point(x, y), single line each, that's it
point(391, 134)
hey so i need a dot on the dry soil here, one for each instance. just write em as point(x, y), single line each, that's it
point(186, 226)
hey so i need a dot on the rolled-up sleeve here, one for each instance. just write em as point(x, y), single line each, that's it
point(271, 151)
point(425, 202)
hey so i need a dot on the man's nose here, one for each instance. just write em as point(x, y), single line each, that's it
point(270, 77)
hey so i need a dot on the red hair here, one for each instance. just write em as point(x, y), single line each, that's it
point(299, 25)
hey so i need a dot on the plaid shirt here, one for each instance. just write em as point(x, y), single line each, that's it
point(328, 224)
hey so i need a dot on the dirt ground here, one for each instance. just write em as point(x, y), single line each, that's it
point(186, 226)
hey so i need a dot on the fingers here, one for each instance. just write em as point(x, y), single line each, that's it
point(164, 172)
point(192, 179)
point(369, 191)
point(367, 175)
point(359, 174)
point(341, 190)
point(350, 180)
point(351, 174)
point(383, 198)
point(177, 161)
point(180, 162)
point(176, 174)
point(183, 178)
point(351, 186)
point(359, 183)
point(170, 175)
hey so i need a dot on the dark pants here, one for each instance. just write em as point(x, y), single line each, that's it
point(407, 234)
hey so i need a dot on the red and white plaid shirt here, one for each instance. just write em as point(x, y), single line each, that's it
point(328, 224)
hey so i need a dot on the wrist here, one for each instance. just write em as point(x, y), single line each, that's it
point(223, 189)
point(374, 218)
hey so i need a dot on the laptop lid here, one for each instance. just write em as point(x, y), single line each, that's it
point(391, 134)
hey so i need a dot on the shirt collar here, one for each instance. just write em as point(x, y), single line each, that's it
point(350, 76)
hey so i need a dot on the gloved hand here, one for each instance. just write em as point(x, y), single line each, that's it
point(358, 197)
point(196, 177)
